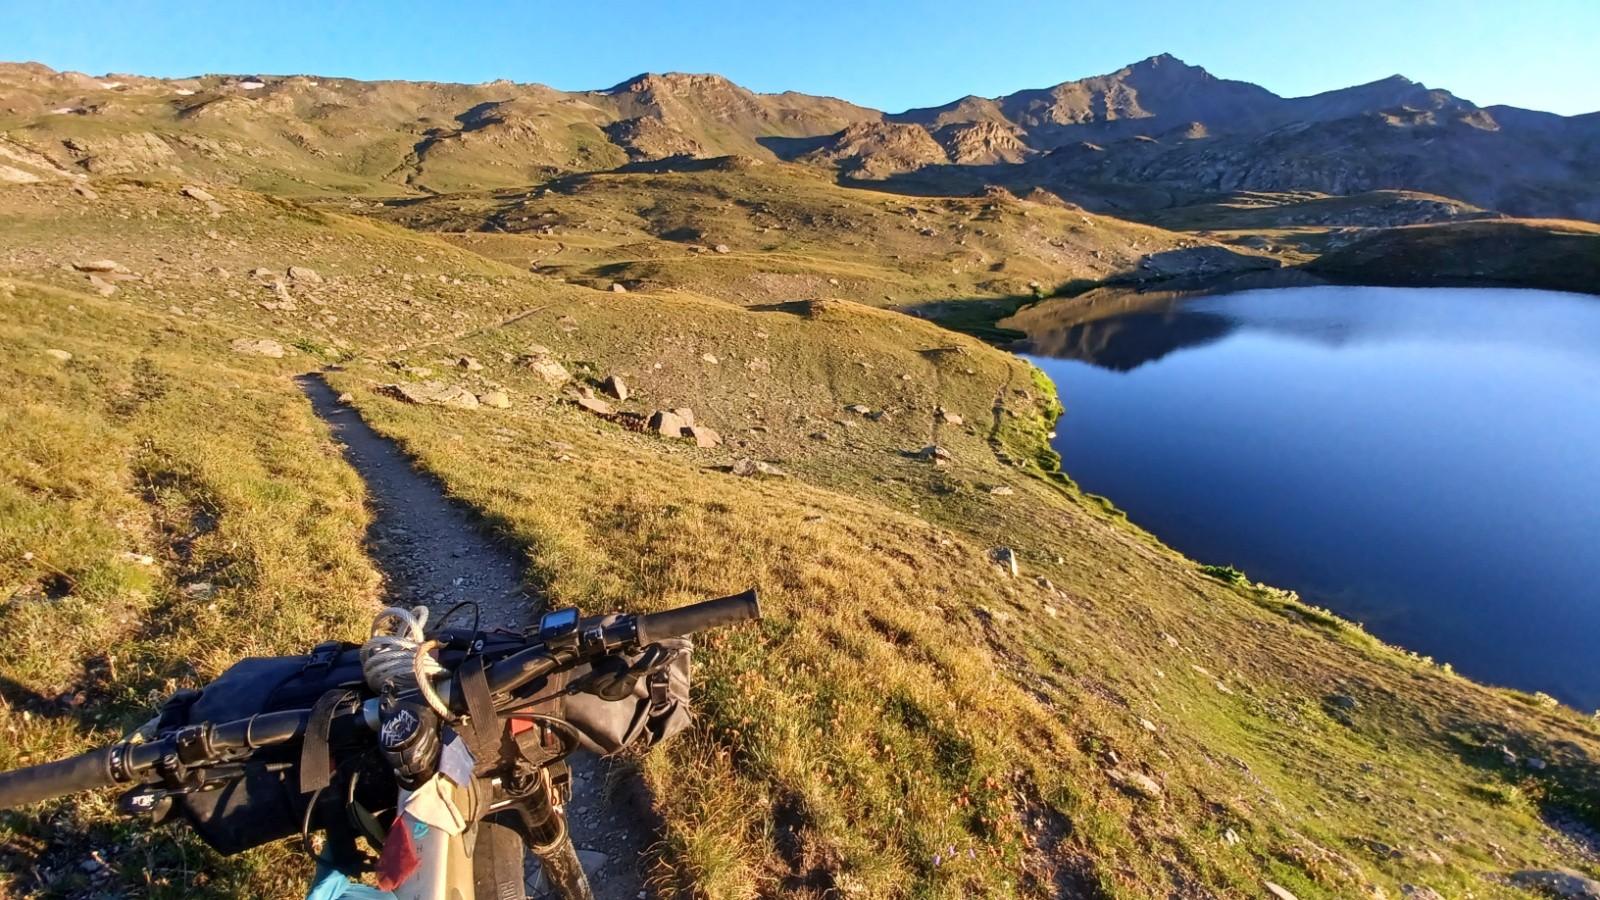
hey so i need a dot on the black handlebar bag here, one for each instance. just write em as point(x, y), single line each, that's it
point(267, 800)
point(266, 803)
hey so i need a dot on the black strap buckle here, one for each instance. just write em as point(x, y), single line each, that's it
point(323, 656)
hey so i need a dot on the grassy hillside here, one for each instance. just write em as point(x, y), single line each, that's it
point(1539, 253)
point(909, 721)
point(755, 234)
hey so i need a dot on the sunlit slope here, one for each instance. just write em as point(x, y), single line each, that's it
point(910, 719)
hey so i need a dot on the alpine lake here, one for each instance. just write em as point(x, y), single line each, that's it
point(1425, 461)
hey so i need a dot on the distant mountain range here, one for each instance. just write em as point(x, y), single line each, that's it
point(1153, 134)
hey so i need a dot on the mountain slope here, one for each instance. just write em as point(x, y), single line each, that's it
point(911, 720)
point(1145, 136)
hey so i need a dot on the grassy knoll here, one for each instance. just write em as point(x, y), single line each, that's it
point(790, 232)
point(909, 721)
point(1553, 254)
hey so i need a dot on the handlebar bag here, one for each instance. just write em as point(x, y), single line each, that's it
point(265, 803)
point(657, 709)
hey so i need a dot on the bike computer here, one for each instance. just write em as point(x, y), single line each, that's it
point(558, 624)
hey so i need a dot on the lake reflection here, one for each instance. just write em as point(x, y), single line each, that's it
point(1426, 461)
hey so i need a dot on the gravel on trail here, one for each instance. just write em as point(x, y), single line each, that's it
point(433, 554)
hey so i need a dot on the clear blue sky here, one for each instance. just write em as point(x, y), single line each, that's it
point(893, 54)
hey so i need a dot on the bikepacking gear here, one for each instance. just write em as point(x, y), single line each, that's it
point(445, 749)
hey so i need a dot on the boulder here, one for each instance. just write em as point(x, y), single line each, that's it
point(595, 405)
point(102, 265)
point(750, 468)
point(1563, 883)
point(434, 393)
point(546, 367)
point(495, 399)
point(667, 424)
point(301, 273)
point(722, 248)
point(257, 347)
point(1006, 559)
point(686, 414)
point(615, 386)
point(703, 436)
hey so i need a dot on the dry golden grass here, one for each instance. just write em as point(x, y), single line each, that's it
point(908, 721)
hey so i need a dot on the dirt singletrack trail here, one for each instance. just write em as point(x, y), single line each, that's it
point(432, 554)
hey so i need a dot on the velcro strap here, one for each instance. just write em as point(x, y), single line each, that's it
point(483, 732)
point(316, 757)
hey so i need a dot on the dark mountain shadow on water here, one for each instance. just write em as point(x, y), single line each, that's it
point(1128, 342)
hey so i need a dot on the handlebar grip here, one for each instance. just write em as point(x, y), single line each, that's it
point(685, 620)
point(32, 784)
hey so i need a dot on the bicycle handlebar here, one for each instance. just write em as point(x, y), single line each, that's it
point(124, 762)
point(84, 772)
point(695, 617)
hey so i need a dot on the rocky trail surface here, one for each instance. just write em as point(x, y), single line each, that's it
point(433, 554)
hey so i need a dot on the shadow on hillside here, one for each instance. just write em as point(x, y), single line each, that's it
point(789, 149)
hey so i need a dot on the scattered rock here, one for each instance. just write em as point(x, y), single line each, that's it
point(1342, 701)
point(1230, 837)
point(258, 347)
point(1534, 763)
point(1563, 883)
point(434, 393)
point(933, 453)
point(710, 358)
point(495, 399)
point(615, 386)
point(195, 193)
point(858, 409)
point(684, 413)
point(1001, 490)
point(1138, 782)
point(1418, 892)
point(546, 367)
point(102, 265)
point(749, 468)
point(667, 424)
point(301, 273)
point(1279, 891)
point(347, 399)
point(262, 272)
point(722, 248)
point(703, 436)
point(596, 405)
point(618, 287)
point(85, 192)
point(819, 436)
point(948, 417)
point(764, 366)
point(592, 861)
point(58, 355)
point(470, 364)
point(1005, 558)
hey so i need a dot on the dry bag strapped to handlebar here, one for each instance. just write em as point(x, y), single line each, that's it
point(268, 799)
point(265, 803)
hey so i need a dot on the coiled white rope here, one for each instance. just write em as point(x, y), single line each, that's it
point(397, 655)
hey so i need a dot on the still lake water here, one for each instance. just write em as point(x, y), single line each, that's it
point(1425, 461)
